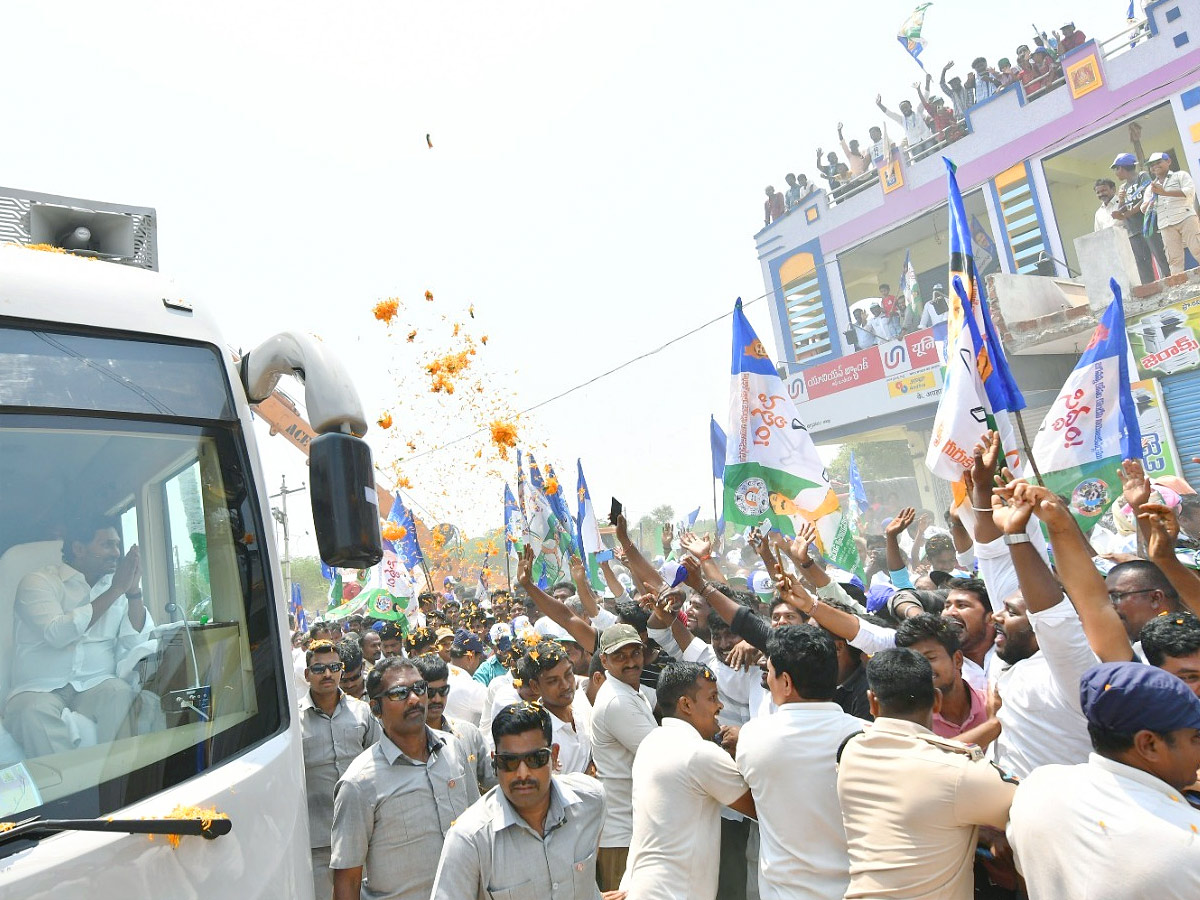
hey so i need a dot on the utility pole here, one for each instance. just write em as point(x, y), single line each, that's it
point(280, 515)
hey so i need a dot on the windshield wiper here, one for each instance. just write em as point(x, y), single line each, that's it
point(36, 828)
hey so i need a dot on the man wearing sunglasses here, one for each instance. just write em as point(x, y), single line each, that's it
point(535, 835)
point(336, 728)
point(437, 676)
point(396, 801)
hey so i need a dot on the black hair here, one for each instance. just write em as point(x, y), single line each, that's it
point(928, 627)
point(432, 667)
point(391, 632)
point(679, 679)
point(715, 622)
point(318, 647)
point(1176, 634)
point(1148, 573)
point(562, 585)
point(596, 666)
point(350, 652)
point(938, 543)
point(545, 656)
point(901, 680)
point(973, 586)
point(518, 718)
point(354, 620)
point(83, 529)
point(320, 625)
point(388, 664)
point(1109, 743)
point(526, 668)
point(808, 655)
point(1099, 181)
point(631, 614)
point(837, 603)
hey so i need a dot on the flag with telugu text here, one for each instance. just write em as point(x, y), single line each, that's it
point(772, 469)
point(1092, 425)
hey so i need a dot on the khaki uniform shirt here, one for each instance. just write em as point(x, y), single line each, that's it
point(391, 814)
point(331, 743)
point(912, 804)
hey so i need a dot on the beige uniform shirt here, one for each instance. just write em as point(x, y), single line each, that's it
point(912, 804)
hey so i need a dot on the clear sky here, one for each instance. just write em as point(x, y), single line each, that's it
point(595, 180)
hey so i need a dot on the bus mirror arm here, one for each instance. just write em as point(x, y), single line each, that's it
point(329, 395)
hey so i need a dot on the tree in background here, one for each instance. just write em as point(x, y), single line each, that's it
point(876, 460)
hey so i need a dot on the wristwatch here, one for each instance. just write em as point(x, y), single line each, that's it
point(1021, 538)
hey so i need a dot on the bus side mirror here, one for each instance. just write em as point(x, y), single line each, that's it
point(345, 509)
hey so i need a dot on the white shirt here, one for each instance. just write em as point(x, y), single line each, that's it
point(621, 719)
point(789, 760)
point(467, 696)
point(1104, 829)
point(1103, 218)
point(54, 645)
point(733, 685)
point(574, 740)
point(1173, 210)
point(680, 783)
point(1040, 718)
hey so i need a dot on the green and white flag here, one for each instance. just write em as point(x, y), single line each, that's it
point(772, 469)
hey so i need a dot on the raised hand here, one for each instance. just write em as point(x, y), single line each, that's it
point(806, 534)
point(755, 539)
point(743, 656)
point(577, 570)
point(1163, 526)
point(697, 546)
point(525, 566)
point(987, 452)
point(1135, 486)
point(668, 534)
point(1011, 508)
point(129, 571)
point(899, 522)
point(1047, 506)
point(622, 529)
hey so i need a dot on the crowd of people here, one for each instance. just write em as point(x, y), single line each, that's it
point(1155, 203)
point(932, 123)
point(982, 713)
point(892, 316)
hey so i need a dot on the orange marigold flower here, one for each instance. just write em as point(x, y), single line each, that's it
point(385, 310)
point(393, 532)
point(457, 326)
point(429, 295)
point(551, 486)
point(504, 436)
point(385, 421)
point(483, 340)
point(439, 539)
point(412, 335)
point(404, 483)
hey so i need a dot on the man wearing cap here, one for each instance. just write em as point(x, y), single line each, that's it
point(621, 719)
point(1070, 39)
point(1172, 196)
point(1117, 826)
point(1128, 210)
point(902, 787)
point(467, 699)
point(878, 323)
point(937, 308)
point(500, 637)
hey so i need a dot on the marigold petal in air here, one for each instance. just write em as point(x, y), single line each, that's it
point(385, 421)
point(391, 531)
point(551, 487)
point(385, 310)
point(429, 296)
point(504, 436)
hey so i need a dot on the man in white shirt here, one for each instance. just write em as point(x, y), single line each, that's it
point(467, 700)
point(1106, 193)
point(555, 684)
point(1173, 196)
point(789, 761)
point(621, 719)
point(1118, 825)
point(681, 779)
point(73, 623)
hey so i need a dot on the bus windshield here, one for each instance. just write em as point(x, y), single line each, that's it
point(138, 640)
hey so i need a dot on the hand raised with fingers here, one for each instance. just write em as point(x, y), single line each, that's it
point(1135, 486)
point(1011, 509)
point(697, 546)
point(900, 521)
point(525, 566)
point(668, 534)
point(806, 534)
point(1164, 529)
point(985, 457)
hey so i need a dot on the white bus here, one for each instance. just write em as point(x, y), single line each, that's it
point(119, 399)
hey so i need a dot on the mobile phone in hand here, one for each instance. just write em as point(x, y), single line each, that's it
point(615, 511)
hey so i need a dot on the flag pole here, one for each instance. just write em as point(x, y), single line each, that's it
point(716, 518)
point(1027, 448)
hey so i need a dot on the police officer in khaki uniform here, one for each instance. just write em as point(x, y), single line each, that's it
point(912, 802)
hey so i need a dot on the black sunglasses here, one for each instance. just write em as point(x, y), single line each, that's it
point(510, 762)
point(401, 691)
point(322, 668)
point(443, 691)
